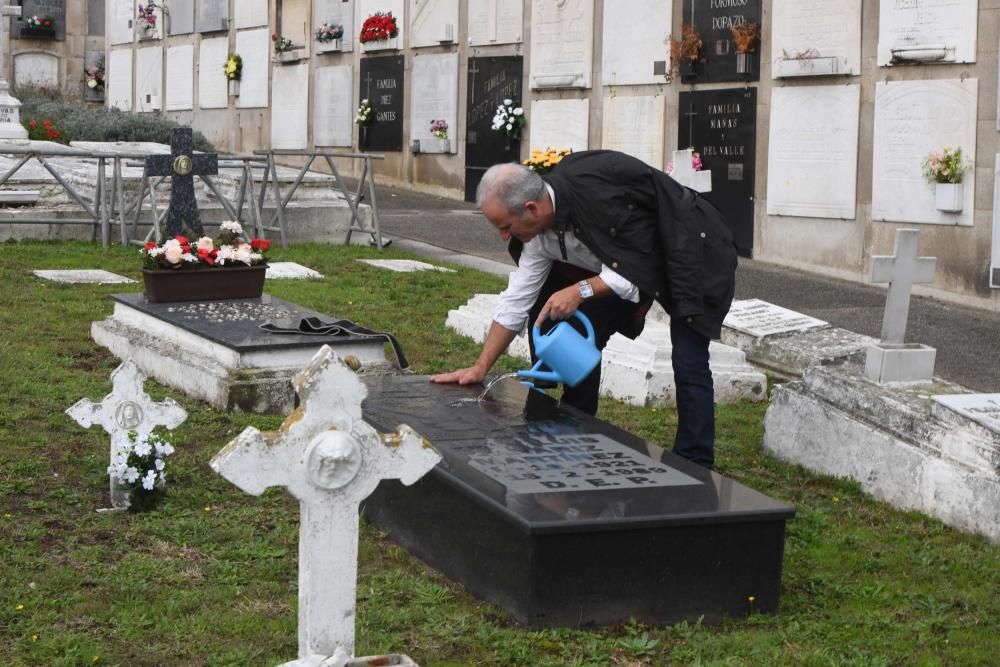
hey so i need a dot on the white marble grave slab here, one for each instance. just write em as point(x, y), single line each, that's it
point(436, 77)
point(180, 77)
point(931, 31)
point(433, 22)
point(760, 318)
point(36, 69)
point(562, 43)
point(250, 13)
point(981, 408)
point(404, 265)
point(212, 15)
point(995, 261)
point(560, 124)
point(119, 80)
point(213, 92)
point(366, 8)
point(290, 271)
point(294, 22)
point(290, 110)
point(810, 37)
point(335, 11)
point(333, 111)
point(913, 118)
point(181, 20)
point(121, 13)
point(254, 46)
point(149, 79)
point(635, 125)
point(495, 22)
point(80, 276)
point(813, 151)
point(630, 46)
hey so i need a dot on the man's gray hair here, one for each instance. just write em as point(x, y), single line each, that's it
point(511, 184)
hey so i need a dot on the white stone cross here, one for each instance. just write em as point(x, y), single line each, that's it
point(330, 460)
point(902, 271)
point(684, 173)
point(127, 408)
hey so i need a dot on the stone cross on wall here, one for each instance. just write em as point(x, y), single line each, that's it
point(182, 165)
point(330, 460)
point(902, 270)
point(10, 114)
point(127, 408)
point(685, 174)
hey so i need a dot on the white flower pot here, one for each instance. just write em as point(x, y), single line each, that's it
point(234, 87)
point(949, 197)
point(292, 56)
point(382, 45)
point(435, 145)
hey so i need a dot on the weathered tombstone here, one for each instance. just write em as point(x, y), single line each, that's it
point(212, 15)
point(929, 31)
point(121, 15)
point(334, 12)
point(213, 92)
point(816, 38)
point(180, 77)
point(634, 125)
point(119, 79)
point(721, 126)
point(10, 107)
point(149, 79)
point(436, 76)
point(36, 69)
point(433, 23)
point(562, 41)
point(333, 112)
point(252, 13)
point(397, 8)
point(559, 124)
point(330, 461)
point(495, 22)
point(127, 408)
point(892, 359)
point(182, 165)
point(290, 107)
point(52, 9)
point(712, 20)
point(181, 17)
point(490, 82)
point(254, 46)
point(382, 85)
point(635, 52)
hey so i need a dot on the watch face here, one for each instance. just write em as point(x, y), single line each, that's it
point(586, 291)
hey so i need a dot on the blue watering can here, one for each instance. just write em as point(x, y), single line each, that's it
point(570, 356)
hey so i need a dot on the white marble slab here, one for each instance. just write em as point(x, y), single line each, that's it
point(813, 151)
point(927, 29)
point(433, 22)
point(913, 118)
point(630, 47)
point(119, 79)
point(760, 318)
point(212, 15)
point(213, 91)
point(295, 25)
point(121, 14)
point(995, 255)
point(182, 16)
point(36, 69)
point(436, 77)
point(404, 265)
point(811, 37)
point(250, 13)
point(290, 271)
point(562, 43)
point(333, 111)
point(335, 11)
point(81, 276)
point(149, 79)
point(559, 124)
point(180, 77)
point(635, 125)
point(290, 109)
point(981, 408)
point(254, 46)
point(366, 8)
point(495, 22)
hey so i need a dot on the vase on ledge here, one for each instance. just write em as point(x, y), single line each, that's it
point(234, 87)
point(949, 197)
point(204, 284)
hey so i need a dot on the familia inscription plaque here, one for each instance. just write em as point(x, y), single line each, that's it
point(382, 86)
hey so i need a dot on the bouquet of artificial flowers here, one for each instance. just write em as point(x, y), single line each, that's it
point(364, 116)
point(439, 128)
point(233, 67)
point(141, 467)
point(228, 250)
point(543, 161)
point(509, 118)
point(328, 32)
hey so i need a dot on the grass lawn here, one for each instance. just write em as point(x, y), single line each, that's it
point(209, 578)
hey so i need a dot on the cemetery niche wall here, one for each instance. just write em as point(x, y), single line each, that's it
point(489, 82)
point(815, 38)
point(719, 59)
point(382, 86)
point(53, 20)
point(543, 510)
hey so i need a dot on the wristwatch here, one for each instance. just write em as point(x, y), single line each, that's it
point(586, 291)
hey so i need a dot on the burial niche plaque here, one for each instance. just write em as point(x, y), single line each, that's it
point(718, 59)
point(51, 11)
point(382, 86)
point(542, 509)
point(490, 82)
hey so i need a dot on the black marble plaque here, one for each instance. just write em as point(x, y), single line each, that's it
point(54, 9)
point(382, 86)
point(566, 520)
point(490, 82)
point(722, 126)
point(235, 323)
point(712, 20)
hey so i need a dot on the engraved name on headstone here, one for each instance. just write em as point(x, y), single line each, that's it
point(44, 9)
point(712, 20)
point(760, 318)
point(382, 85)
point(927, 31)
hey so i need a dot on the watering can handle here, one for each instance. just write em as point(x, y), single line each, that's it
point(591, 336)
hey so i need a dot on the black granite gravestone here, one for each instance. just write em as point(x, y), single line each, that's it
point(712, 20)
point(382, 86)
point(722, 126)
point(182, 165)
point(565, 520)
point(491, 81)
point(43, 9)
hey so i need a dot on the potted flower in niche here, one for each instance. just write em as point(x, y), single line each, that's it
point(94, 80)
point(509, 120)
point(542, 162)
point(146, 20)
point(439, 130)
point(39, 27)
point(685, 54)
point(330, 34)
point(284, 49)
point(945, 170)
point(744, 38)
point(233, 70)
point(379, 27)
point(363, 119)
point(227, 267)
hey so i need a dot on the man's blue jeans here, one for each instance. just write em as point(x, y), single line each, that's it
point(695, 439)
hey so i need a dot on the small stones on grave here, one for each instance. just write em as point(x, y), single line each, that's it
point(228, 311)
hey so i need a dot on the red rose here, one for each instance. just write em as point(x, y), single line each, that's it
point(262, 245)
point(274, 38)
point(183, 239)
point(33, 123)
point(150, 245)
point(207, 256)
point(46, 23)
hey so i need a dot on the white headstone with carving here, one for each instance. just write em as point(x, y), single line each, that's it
point(495, 22)
point(927, 31)
point(330, 460)
point(816, 37)
point(433, 22)
point(562, 43)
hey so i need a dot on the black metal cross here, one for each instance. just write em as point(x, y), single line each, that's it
point(182, 166)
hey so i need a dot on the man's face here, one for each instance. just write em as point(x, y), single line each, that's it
point(522, 225)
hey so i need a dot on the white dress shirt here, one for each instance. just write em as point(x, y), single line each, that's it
point(514, 303)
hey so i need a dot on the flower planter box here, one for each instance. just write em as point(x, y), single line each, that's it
point(163, 285)
point(38, 33)
point(382, 45)
point(434, 145)
point(284, 57)
point(949, 197)
point(332, 46)
point(234, 87)
point(807, 67)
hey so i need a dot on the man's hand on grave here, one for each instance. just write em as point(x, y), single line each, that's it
point(561, 305)
point(470, 375)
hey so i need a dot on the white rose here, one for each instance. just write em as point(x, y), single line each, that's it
point(173, 254)
point(205, 243)
point(518, 111)
point(508, 101)
point(509, 127)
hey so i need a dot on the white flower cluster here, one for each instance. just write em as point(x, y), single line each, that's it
point(141, 462)
point(231, 226)
point(364, 115)
point(173, 252)
point(508, 117)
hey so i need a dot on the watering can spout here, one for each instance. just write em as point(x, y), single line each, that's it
point(535, 373)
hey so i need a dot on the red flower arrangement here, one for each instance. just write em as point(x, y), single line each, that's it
point(378, 27)
point(228, 250)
